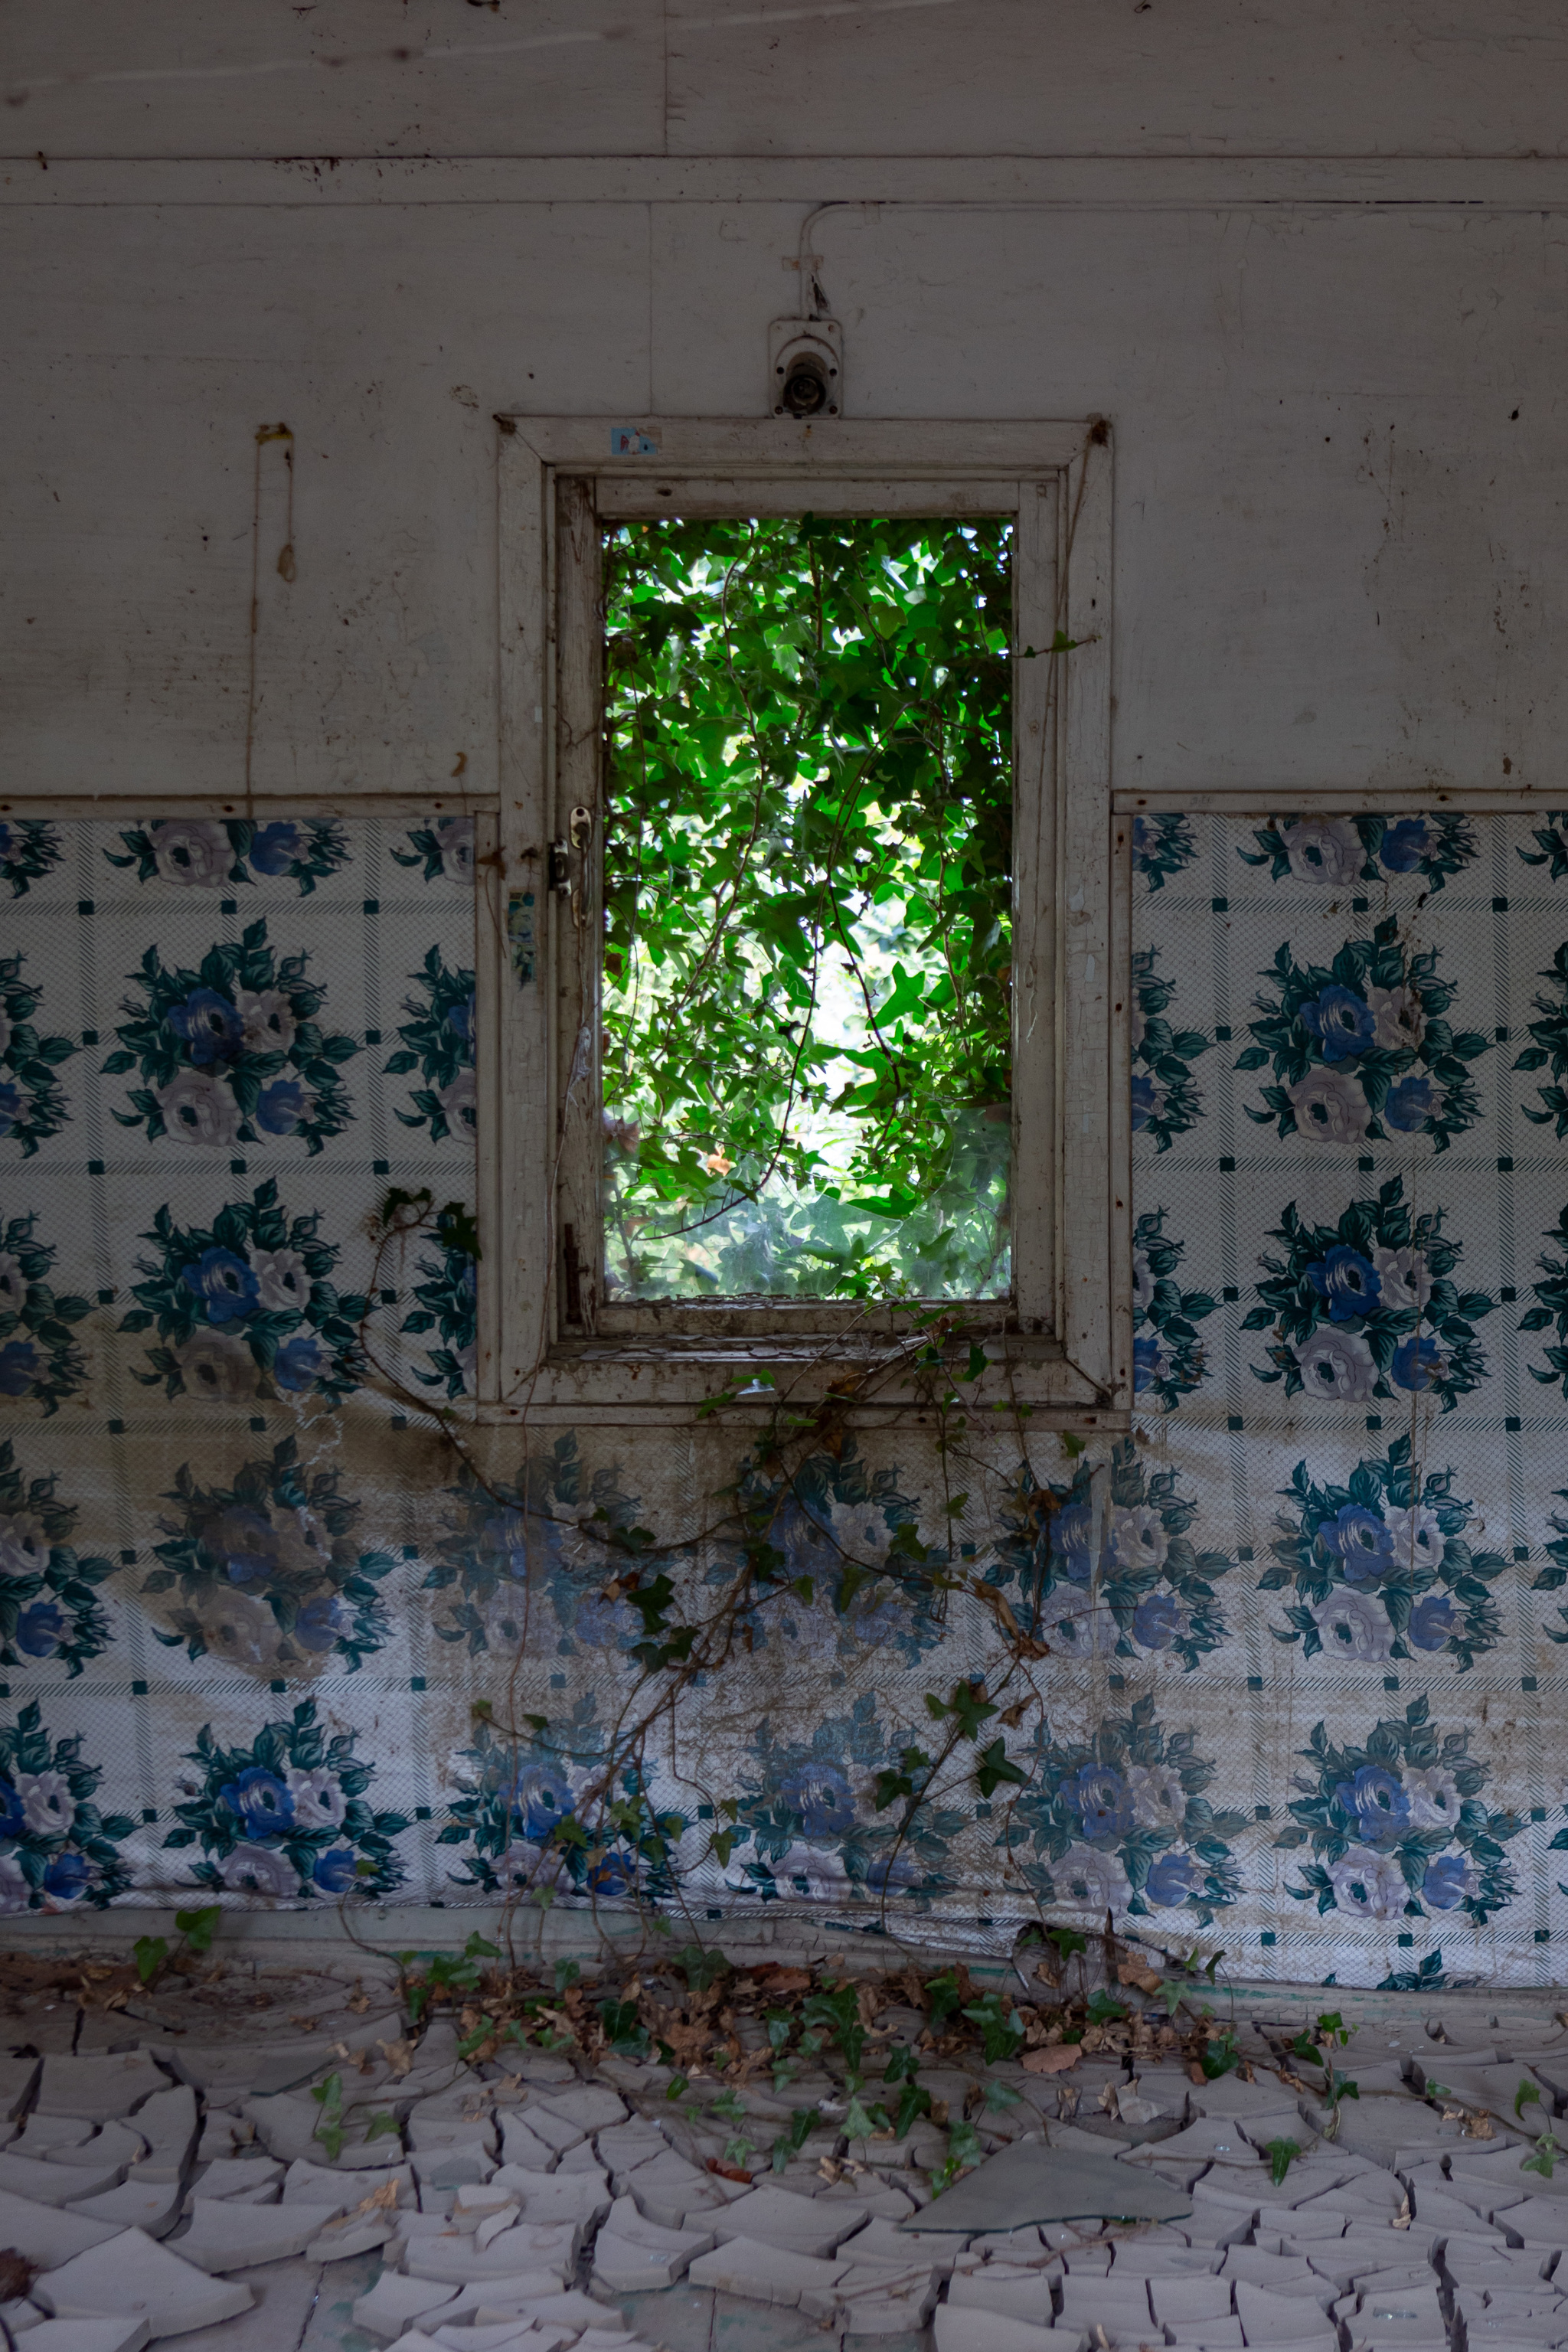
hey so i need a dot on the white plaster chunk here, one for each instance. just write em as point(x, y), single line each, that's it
point(624, 2146)
point(152, 2206)
point(98, 2088)
point(38, 2135)
point(523, 2147)
point(627, 2222)
point(451, 2165)
point(591, 2107)
point(350, 2235)
point(56, 2184)
point(1212, 2139)
point(492, 2299)
point(113, 2143)
point(45, 2235)
point(130, 2276)
point(876, 2301)
point(1020, 2293)
point(569, 2307)
point(168, 2123)
point(621, 2266)
point(517, 2251)
point(17, 2076)
point(224, 2236)
point(581, 2197)
point(554, 2130)
point(504, 2335)
point(765, 2274)
point(1092, 2301)
point(427, 2132)
point(317, 2184)
point(987, 2331)
point(490, 2225)
point(772, 2217)
point(285, 2125)
point(881, 2242)
point(668, 2188)
point(1179, 2301)
point(240, 2176)
point(1268, 2318)
point(89, 2336)
point(394, 2302)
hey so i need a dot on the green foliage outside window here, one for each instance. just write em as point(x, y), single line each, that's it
point(807, 908)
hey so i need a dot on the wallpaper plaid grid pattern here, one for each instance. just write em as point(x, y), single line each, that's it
point(1305, 1631)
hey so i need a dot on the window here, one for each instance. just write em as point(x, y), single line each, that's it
point(805, 992)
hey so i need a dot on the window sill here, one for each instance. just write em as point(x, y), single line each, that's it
point(670, 1378)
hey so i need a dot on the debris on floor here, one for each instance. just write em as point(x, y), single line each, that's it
point(481, 2160)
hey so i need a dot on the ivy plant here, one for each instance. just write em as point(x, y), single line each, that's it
point(807, 908)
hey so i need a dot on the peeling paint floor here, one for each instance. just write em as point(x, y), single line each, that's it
point(1423, 2199)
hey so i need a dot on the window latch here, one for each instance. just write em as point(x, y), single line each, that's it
point(561, 867)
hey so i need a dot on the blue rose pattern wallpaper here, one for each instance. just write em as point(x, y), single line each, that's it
point(1303, 1637)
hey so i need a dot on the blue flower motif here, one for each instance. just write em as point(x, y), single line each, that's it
point(246, 1542)
point(299, 1363)
point(1404, 844)
point(1362, 1539)
point(1376, 1805)
point(1410, 1104)
point(540, 1798)
point(12, 1105)
point(1171, 1879)
point(277, 847)
point(1433, 1621)
point(19, 1367)
point(336, 1871)
point(209, 1025)
point(324, 1620)
point(1157, 1620)
point(1102, 1801)
point(1146, 1361)
point(1449, 1878)
point(504, 1539)
point(262, 1802)
point(1416, 1363)
point(611, 1876)
point(224, 1283)
point(1350, 1283)
point(68, 1876)
point(461, 1017)
point(1145, 1101)
point(1342, 1023)
point(820, 1795)
point(12, 1821)
point(1072, 1533)
point(41, 1629)
point(281, 1106)
point(892, 1874)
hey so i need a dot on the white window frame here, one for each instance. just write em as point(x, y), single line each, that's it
point(1065, 1335)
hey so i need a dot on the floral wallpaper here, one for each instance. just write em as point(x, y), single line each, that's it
point(1300, 1638)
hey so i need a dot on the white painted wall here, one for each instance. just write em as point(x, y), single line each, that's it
point(1337, 378)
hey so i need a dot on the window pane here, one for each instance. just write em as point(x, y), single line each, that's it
point(808, 903)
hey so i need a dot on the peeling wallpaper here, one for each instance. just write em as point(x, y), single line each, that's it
point(1305, 1628)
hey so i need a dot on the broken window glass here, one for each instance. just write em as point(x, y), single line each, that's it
point(807, 908)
